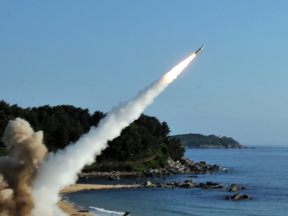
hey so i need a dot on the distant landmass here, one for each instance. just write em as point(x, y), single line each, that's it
point(211, 141)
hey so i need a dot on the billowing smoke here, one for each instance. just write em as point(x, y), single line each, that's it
point(18, 170)
point(60, 169)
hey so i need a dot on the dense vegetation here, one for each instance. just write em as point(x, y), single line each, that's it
point(145, 138)
point(144, 143)
point(61, 124)
point(202, 141)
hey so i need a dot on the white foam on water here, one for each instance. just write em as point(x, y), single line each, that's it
point(105, 211)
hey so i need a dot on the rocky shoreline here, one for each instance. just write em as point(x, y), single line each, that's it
point(183, 166)
point(189, 183)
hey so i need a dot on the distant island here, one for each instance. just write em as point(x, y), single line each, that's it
point(211, 141)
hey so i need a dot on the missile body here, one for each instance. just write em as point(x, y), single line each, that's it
point(200, 49)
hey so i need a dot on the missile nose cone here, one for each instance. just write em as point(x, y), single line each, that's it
point(200, 49)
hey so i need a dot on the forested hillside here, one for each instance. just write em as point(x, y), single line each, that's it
point(144, 138)
point(202, 141)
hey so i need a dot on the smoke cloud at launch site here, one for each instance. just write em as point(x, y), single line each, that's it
point(30, 178)
point(18, 170)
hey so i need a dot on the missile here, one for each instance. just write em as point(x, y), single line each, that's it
point(200, 49)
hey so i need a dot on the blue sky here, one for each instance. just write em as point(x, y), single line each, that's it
point(95, 54)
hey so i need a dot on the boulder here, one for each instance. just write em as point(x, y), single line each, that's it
point(236, 197)
point(215, 167)
point(83, 210)
point(190, 181)
point(220, 186)
point(200, 185)
point(212, 183)
point(187, 185)
point(171, 183)
point(246, 197)
point(147, 184)
point(203, 162)
point(233, 189)
point(187, 170)
point(114, 177)
point(166, 185)
point(180, 183)
point(205, 187)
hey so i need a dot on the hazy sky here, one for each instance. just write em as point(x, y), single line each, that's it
point(95, 54)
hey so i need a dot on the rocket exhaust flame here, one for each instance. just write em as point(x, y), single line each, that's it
point(171, 75)
point(60, 169)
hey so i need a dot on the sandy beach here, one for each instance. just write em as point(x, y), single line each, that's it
point(70, 209)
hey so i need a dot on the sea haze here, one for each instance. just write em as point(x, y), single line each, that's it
point(262, 170)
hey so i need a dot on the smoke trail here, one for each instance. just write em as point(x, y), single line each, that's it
point(18, 170)
point(60, 169)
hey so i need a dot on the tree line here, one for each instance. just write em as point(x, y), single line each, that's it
point(65, 124)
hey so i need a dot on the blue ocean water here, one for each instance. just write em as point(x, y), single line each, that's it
point(262, 170)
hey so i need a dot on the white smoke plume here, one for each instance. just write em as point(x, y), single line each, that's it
point(61, 168)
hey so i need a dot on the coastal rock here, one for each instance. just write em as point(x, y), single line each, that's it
point(82, 210)
point(246, 197)
point(233, 189)
point(215, 167)
point(147, 184)
point(212, 183)
point(237, 197)
point(180, 183)
point(190, 181)
point(183, 166)
point(205, 187)
point(187, 185)
point(114, 177)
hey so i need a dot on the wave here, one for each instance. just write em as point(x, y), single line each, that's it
point(105, 212)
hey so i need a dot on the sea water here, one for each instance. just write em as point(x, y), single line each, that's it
point(263, 171)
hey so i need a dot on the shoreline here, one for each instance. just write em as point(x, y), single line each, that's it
point(70, 209)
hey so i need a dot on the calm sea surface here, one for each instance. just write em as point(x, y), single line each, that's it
point(263, 170)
